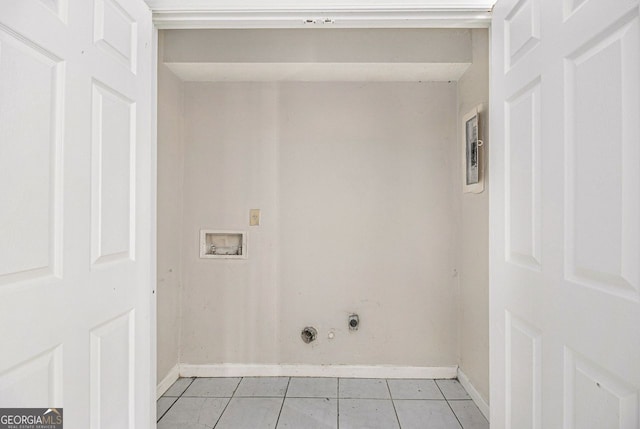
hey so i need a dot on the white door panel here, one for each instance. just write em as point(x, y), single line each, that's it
point(75, 155)
point(565, 205)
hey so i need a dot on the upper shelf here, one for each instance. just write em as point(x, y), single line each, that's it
point(317, 55)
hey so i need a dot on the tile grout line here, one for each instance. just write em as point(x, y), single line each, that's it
point(302, 397)
point(338, 404)
point(282, 405)
point(404, 399)
point(228, 402)
point(276, 396)
point(448, 404)
point(386, 399)
point(174, 402)
point(386, 381)
point(170, 406)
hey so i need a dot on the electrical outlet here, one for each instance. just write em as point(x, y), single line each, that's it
point(254, 217)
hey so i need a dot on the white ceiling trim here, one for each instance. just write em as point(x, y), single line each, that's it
point(382, 17)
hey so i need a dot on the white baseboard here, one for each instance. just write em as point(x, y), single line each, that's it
point(166, 382)
point(352, 371)
point(475, 395)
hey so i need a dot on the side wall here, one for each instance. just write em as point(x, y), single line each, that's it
point(354, 184)
point(170, 177)
point(473, 239)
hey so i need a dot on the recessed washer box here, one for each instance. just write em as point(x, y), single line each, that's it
point(223, 244)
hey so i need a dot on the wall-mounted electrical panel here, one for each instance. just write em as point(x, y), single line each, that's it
point(223, 244)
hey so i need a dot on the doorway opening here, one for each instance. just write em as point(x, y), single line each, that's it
point(337, 156)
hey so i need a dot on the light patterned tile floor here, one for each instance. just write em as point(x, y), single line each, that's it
point(323, 403)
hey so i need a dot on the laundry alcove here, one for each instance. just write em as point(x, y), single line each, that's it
point(348, 141)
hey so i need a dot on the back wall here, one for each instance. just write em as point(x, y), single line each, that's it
point(354, 184)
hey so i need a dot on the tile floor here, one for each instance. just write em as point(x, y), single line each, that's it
point(317, 403)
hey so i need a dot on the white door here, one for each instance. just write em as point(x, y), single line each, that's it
point(75, 210)
point(565, 214)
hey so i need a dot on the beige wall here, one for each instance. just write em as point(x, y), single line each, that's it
point(360, 190)
point(473, 239)
point(313, 45)
point(230, 306)
point(353, 180)
point(170, 174)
